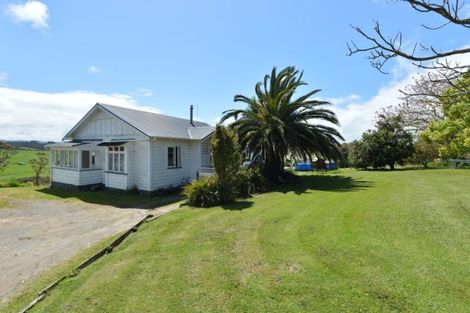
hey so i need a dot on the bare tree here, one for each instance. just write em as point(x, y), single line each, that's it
point(38, 165)
point(421, 101)
point(383, 48)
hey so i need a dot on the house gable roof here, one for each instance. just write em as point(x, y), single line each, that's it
point(153, 124)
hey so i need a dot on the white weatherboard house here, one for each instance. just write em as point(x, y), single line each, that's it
point(121, 148)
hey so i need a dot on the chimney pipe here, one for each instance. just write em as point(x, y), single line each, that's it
point(191, 109)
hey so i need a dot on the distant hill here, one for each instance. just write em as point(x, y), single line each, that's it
point(30, 145)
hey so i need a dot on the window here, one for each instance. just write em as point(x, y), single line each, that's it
point(93, 159)
point(116, 159)
point(174, 157)
point(56, 156)
point(65, 158)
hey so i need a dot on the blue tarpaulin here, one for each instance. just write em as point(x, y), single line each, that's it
point(307, 166)
point(303, 166)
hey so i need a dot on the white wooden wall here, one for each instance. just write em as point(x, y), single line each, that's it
point(138, 164)
point(116, 181)
point(66, 176)
point(161, 175)
point(102, 125)
point(92, 176)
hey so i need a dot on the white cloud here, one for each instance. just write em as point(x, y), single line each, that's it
point(358, 116)
point(93, 69)
point(31, 115)
point(34, 12)
point(343, 100)
point(3, 78)
point(142, 92)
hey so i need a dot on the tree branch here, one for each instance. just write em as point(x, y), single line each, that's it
point(383, 48)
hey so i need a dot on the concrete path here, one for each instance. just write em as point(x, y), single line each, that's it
point(37, 234)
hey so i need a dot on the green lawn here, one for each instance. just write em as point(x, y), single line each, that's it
point(18, 166)
point(117, 199)
point(355, 241)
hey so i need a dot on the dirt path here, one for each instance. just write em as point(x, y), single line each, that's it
point(37, 234)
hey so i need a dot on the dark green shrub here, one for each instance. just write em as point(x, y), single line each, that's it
point(251, 181)
point(226, 154)
point(204, 192)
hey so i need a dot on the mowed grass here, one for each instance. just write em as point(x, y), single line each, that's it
point(350, 241)
point(19, 167)
point(8, 196)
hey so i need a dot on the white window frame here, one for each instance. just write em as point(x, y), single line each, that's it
point(176, 158)
point(65, 159)
point(93, 159)
point(116, 158)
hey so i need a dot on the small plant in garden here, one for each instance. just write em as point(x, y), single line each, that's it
point(203, 192)
point(38, 164)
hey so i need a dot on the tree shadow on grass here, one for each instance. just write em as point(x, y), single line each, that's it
point(114, 198)
point(333, 183)
point(399, 169)
point(238, 205)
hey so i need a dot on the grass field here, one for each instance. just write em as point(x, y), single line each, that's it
point(19, 167)
point(117, 199)
point(351, 241)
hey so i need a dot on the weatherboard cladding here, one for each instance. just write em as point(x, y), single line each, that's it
point(161, 175)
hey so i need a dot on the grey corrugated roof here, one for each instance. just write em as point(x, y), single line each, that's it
point(200, 132)
point(159, 125)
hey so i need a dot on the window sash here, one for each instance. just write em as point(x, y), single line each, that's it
point(93, 159)
point(171, 156)
point(174, 157)
point(65, 159)
point(116, 159)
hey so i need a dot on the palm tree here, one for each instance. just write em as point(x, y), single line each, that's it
point(274, 124)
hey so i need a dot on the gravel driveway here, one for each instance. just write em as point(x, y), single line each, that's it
point(37, 234)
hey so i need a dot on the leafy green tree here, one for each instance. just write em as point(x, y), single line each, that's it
point(359, 154)
point(274, 123)
point(424, 152)
point(453, 133)
point(6, 152)
point(390, 143)
point(227, 160)
point(343, 160)
point(39, 164)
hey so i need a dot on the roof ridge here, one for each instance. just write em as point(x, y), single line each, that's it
point(159, 114)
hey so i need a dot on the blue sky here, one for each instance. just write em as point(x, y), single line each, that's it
point(166, 55)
